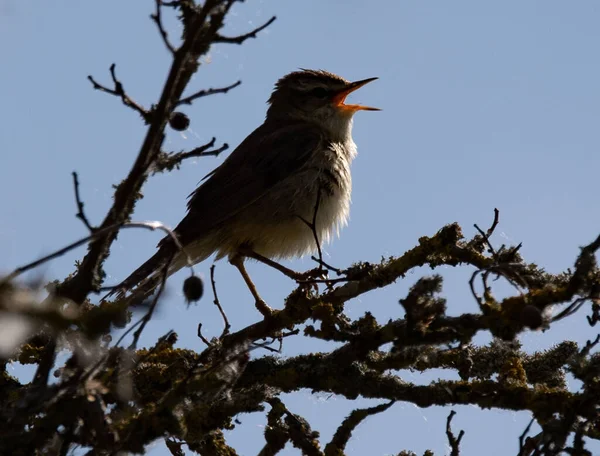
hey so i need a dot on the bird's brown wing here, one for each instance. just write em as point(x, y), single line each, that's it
point(267, 156)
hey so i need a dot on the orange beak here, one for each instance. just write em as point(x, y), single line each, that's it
point(340, 97)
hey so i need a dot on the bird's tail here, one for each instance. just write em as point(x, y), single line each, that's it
point(147, 277)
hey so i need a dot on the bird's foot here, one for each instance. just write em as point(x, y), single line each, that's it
point(309, 278)
point(312, 274)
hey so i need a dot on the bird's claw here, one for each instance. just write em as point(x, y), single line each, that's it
point(308, 278)
point(312, 274)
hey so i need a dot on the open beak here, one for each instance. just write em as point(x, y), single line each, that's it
point(340, 97)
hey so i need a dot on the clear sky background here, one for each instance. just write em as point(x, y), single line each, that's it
point(485, 104)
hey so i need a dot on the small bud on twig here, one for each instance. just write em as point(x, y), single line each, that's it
point(179, 121)
point(193, 288)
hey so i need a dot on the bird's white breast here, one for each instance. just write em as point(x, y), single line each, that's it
point(276, 226)
point(294, 237)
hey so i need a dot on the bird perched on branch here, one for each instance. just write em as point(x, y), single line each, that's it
point(284, 187)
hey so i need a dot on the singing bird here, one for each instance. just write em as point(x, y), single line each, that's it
point(260, 199)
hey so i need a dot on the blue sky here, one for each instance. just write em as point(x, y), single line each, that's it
point(485, 104)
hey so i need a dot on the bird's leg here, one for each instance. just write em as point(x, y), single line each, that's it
point(263, 259)
point(261, 305)
point(297, 276)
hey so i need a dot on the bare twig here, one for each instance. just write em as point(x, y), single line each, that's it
point(135, 325)
point(528, 444)
point(96, 234)
point(119, 91)
point(491, 229)
point(202, 26)
point(202, 338)
point(327, 282)
point(146, 318)
point(571, 309)
point(472, 287)
point(123, 336)
point(489, 232)
point(157, 18)
point(589, 345)
point(344, 431)
point(326, 265)
point(205, 93)
point(241, 38)
point(80, 213)
point(265, 345)
point(452, 440)
point(217, 303)
point(279, 338)
point(313, 227)
point(166, 162)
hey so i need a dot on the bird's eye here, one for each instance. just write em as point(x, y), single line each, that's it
point(319, 92)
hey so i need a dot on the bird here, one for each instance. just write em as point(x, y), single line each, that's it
point(259, 203)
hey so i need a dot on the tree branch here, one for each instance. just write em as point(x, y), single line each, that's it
point(207, 92)
point(452, 440)
point(167, 162)
point(241, 38)
point(80, 213)
point(198, 38)
point(344, 431)
point(157, 18)
point(119, 91)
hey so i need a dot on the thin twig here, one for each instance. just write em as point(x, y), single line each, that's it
point(344, 431)
point(125, 334)
point(326, 281)
point(501, 270)
point(265, 346)
point(313, 227)
point(326, 265)
point(80, 213)
point(589, 345)
point(452, 440)
point(206, 92)
point(279, 338)
point(146, 318)
point(218, 303)
point(490, 231)
point(571, 309)
point(524, 446)
point(202, 338)
point(96, 234)
point(119, 91)
point(472, 287)
point(241, 38)
point(157, 18)
point(166, 162)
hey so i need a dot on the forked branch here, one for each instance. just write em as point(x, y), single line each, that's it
point(119, 91)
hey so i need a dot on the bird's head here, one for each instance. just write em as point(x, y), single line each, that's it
point(316, 96)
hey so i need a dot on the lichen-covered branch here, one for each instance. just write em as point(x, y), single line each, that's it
point(115, 399)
